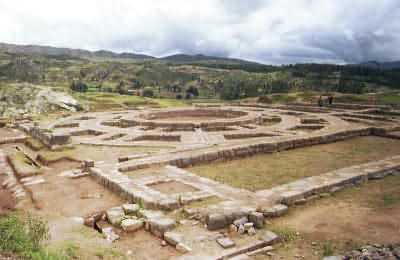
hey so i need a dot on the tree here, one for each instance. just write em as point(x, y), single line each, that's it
point(148, 92)
point(121, 88)
point(192, 91)
point(79, 86)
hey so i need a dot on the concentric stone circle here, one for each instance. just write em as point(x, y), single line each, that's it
point(195, 118)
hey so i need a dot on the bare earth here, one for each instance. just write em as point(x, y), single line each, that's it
point(358, 216)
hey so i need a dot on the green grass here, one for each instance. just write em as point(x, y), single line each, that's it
point(24, 236)
point(389, 98)
point(265, 171)
point(328, 249)
point(35, 144)
point(285, 234)
point(103, 101)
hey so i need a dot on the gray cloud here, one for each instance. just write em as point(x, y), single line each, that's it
point(280, 31)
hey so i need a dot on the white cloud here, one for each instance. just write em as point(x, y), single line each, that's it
point(280, 31)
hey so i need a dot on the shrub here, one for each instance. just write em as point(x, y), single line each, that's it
point(148, 92)
point(265, 99)
point(23, 235)
point(79, 86)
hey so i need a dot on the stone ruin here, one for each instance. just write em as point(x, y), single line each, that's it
point(205, 135)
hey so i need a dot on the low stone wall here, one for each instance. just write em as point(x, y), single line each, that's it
point(11, 140)
point(163, 138)
point(301, 191)
point(67, 125)
point(86, 132)
point(122, 185)
point(45, 161)
point(312, 187)
point(241, 151)
point(222, 113)
point(10, 182)
point(225, 117)
point(365, 116)
point(45, 136)
point(246, 135)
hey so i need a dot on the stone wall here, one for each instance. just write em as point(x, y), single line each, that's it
point(241, 151)
point(45, 136)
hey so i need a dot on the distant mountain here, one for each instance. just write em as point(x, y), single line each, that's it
point(77, 53)
point(381, 65)
point(103, 54)
point(186, 58)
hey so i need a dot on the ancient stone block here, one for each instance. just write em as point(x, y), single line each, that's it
point(173, 238)
point(269, 237)
point(241, 221)
point(158, 226)
point(115, 215)
point(183, 248)
point(257, 218)
point(275, 211)
point(131, 225)
point(130, 209)
point(216, 221)
point(225, 242)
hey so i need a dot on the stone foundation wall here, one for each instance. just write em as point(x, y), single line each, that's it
point(242, 151)
point(222, 113)
point(165, 138)
point(11, 140)
point(45, 136)
point(311, 187)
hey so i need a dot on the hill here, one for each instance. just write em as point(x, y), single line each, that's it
point(76, 53)
point(186, 58)
point(381, 65)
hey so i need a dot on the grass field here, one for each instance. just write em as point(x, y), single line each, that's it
point(265, 171)
point(104, 101)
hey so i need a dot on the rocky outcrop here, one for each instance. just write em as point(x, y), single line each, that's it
point(25, 99)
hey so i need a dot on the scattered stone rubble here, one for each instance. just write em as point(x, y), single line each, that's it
point(371, 252)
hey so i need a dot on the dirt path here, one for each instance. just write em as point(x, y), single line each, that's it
point(362, 215)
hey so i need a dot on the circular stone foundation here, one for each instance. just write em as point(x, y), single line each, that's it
point(195, 118)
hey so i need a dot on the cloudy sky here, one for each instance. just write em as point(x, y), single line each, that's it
point(268, 31)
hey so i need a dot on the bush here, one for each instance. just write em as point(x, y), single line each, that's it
point(79, 86)
point(265, 99)
point(23, 235)
point(192, 91)
point(148, 92)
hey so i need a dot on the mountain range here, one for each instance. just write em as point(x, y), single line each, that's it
point(179, 58)
point(103, 54)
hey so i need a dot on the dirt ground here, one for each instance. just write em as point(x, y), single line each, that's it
point(172, 187)
point(368, 214)
point(268, 170)
point(99, 153)
point(61, 201)
point(7, 200)
point(7, 133)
